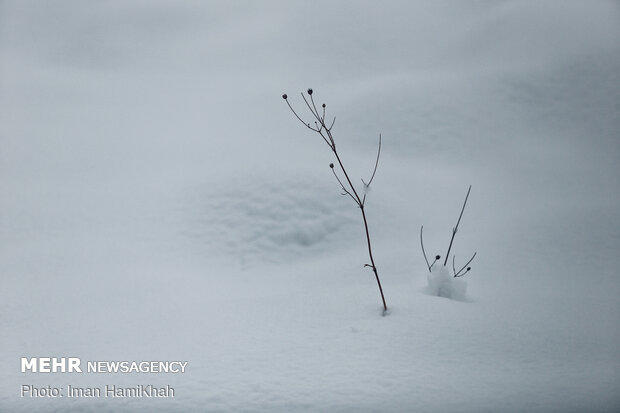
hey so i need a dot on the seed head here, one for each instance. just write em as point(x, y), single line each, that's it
point(284, 96)
point(468, 268)
point(323, 105)
point(310, 91)
point(331, 165)
point(437, 257)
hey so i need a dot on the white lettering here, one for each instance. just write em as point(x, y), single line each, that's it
point(58, 363)
point(50, 365)
point(29, 364)
point(44, 364)
point(74, 365)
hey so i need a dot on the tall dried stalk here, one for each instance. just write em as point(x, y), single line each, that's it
point(319, 126)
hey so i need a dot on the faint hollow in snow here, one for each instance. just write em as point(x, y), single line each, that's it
point(266, 221)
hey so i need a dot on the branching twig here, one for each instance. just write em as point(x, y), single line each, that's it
point(349, 189)
point(346, 192)
point(366, 185)
point(465, 267)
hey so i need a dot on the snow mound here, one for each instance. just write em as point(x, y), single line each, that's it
point(443, 284)
point(268, 222)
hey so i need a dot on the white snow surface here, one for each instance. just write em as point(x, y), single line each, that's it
point(442, 283)
point(159, 201)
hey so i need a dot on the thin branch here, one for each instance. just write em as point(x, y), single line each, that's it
point(358, 200)
point(346, 192)
point(376, 164)
point(424, 252)
point(333, 142)
point(458, 274)
point(453, 269)
point(316, 115)
point(307, 125)
point(325, 139)
point(455, 229)
point(372, 260)
point(332, 125)
point(316, 111)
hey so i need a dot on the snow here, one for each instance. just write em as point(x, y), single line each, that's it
point(158, 201)
point(443, 284)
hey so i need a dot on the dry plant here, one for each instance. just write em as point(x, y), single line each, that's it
point(466, 268)
point(319, 126)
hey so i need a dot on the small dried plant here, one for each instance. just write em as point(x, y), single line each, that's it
point(319, 126)
point(465, 268)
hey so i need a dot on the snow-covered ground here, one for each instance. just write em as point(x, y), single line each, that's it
point(159, 201)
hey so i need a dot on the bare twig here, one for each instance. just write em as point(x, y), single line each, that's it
point(437, 257)
point(349, 189)
point(453, 269)
point(456, 228)
point(366, 185)
point(424, 252)
point(346, 192)
point(465, 267)
point(308, 104)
